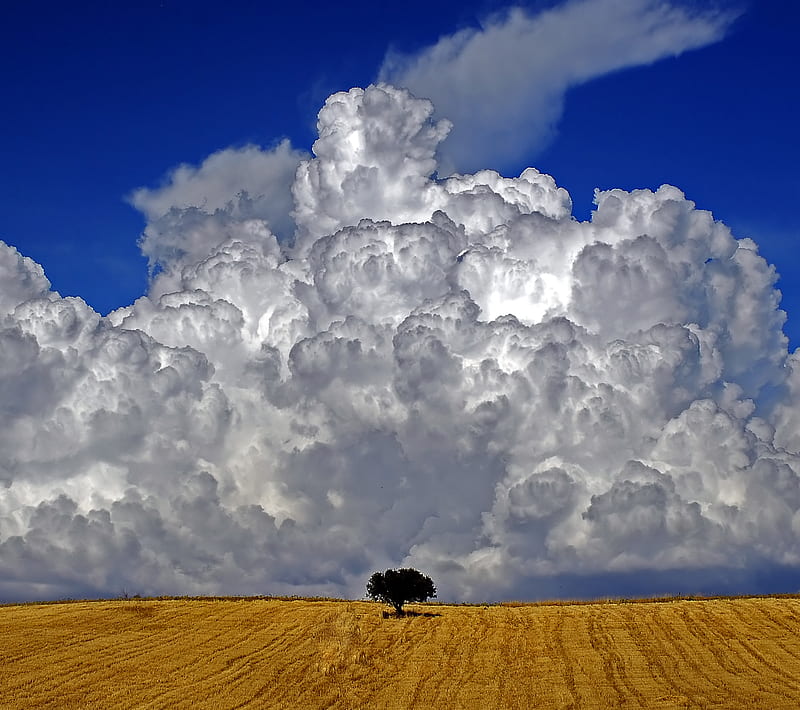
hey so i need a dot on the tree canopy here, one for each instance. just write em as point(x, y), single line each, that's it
point(398, 586)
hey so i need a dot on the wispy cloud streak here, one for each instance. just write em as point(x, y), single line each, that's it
point(504, 85)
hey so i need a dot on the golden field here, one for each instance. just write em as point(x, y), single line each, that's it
point(718, 653)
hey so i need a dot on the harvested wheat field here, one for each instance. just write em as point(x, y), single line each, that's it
point(721, 653)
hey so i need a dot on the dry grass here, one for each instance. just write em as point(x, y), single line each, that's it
point(723, 653)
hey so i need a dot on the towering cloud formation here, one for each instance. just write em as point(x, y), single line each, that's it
point(452, 374)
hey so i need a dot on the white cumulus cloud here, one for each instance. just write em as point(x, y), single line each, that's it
point(452, 374)
point(190, 211)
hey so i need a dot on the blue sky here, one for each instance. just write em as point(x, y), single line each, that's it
point(102, 98)
point(470, 380)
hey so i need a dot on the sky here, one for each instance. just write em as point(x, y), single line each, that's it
point(333, 314)
point(108, 97)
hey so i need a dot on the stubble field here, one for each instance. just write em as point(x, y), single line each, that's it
point(720, 653)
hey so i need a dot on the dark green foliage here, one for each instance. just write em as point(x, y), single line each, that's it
point(398, 586)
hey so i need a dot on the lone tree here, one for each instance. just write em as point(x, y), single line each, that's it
point(398, 586)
